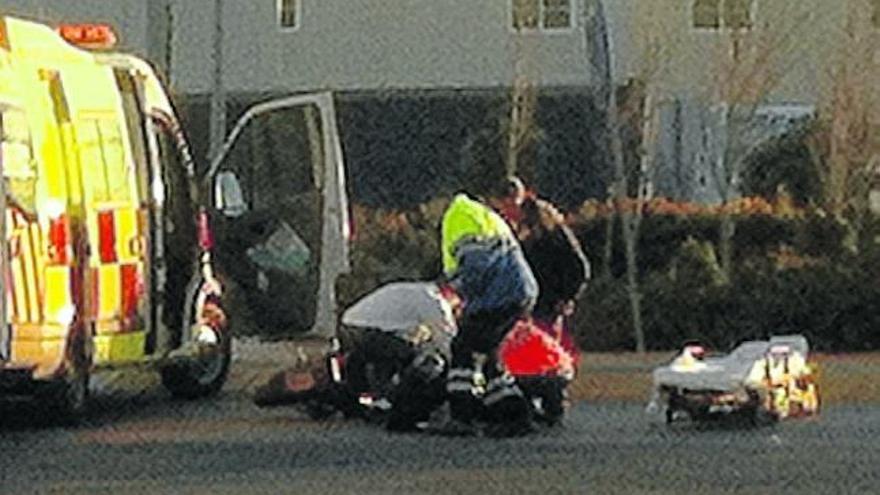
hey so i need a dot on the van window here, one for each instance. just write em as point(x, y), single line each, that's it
point(19, 167)
point(102, 157)
point(279, 155)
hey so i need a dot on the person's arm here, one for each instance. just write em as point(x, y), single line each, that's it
point(573, 267)
point(458, 222)
point(580, 263)
point(447, 236)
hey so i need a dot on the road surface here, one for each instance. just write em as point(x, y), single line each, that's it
point(142, 441)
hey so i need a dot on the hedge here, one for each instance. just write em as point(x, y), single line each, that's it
point(838, 310)
point(792, 274)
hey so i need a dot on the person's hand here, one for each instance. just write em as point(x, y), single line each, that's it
point(566, 308)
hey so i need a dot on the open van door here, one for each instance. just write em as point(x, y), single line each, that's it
point(5, 337)
point(281, 215)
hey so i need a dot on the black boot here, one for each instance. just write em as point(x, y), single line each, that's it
point(463, 405)
point(507, 410)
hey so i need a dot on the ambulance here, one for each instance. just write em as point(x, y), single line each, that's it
point(106, 262)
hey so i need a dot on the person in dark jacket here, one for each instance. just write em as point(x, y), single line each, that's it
point(555, 254)
point(558, 263)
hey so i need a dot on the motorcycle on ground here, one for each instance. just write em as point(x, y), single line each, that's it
point(389, 363)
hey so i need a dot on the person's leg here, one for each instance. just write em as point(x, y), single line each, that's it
point(504, 291)
point(479, 333)
point(460, 377)
point(419, 392)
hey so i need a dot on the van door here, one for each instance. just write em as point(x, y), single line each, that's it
point(149, 207)
point(175, 233)
point(282, 215)
point(5, 292)
point(114, 218)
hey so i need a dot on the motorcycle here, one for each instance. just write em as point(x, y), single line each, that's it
point(390, 360)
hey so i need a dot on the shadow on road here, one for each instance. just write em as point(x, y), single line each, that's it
point(110, 401)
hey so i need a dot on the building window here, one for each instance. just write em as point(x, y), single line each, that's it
point(541, 14)
point(288, 14)
point(706, 14)
point(875, 13)
point(730, 14)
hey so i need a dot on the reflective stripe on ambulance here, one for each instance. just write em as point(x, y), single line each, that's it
point(115, 276)
point(24, 245)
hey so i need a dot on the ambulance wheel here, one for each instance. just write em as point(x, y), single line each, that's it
point(201, 376)
point(205, 374)
point(65, 400)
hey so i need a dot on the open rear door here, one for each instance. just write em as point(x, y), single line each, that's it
point(281, 215)
point(5, 337)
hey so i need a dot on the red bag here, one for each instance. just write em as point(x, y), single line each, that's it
point(529, 350)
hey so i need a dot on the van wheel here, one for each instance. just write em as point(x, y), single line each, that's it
point(200, 376)
point(65, 400)
point(205, 373)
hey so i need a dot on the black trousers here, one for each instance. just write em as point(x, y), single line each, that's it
point(477, 333)
point(482, 333)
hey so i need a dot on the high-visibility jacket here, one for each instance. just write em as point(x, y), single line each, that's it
point(484, 260)
point(467, 219)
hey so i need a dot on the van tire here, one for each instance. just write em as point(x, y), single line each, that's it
point(200, 376)
point(65, 400)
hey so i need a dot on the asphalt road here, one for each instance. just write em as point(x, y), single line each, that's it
point(144, 442)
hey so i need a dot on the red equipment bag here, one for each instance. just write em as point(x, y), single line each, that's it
point(529, 350)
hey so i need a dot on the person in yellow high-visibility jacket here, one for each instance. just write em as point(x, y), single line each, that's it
point(468, 219)
point(484, 263)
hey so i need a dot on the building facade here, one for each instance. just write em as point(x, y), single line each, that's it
point(415, 78)
point(727, 75)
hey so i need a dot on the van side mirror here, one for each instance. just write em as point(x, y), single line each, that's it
point(228, 196)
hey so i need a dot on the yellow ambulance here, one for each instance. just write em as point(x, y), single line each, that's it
point(106, 262)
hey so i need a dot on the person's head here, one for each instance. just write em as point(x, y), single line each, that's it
point(509, 199)
point(537, 217)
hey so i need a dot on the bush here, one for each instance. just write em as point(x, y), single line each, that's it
point(389, 247)
point(661, 236)
point(836, 309)
point(791, 276)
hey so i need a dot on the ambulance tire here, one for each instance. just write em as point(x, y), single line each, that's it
point(64, 402)
point(200, 377)
point(195, 380)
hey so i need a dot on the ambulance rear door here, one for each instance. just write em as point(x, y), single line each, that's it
point(115, 215)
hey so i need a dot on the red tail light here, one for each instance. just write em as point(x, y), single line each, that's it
point(206, 237)
point(59, 240)
point(107, 236)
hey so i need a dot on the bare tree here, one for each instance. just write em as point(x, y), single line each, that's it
point(749, 61)
point(639, 106)
point(522, 129)
point(846, 149)
point(631, 215)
